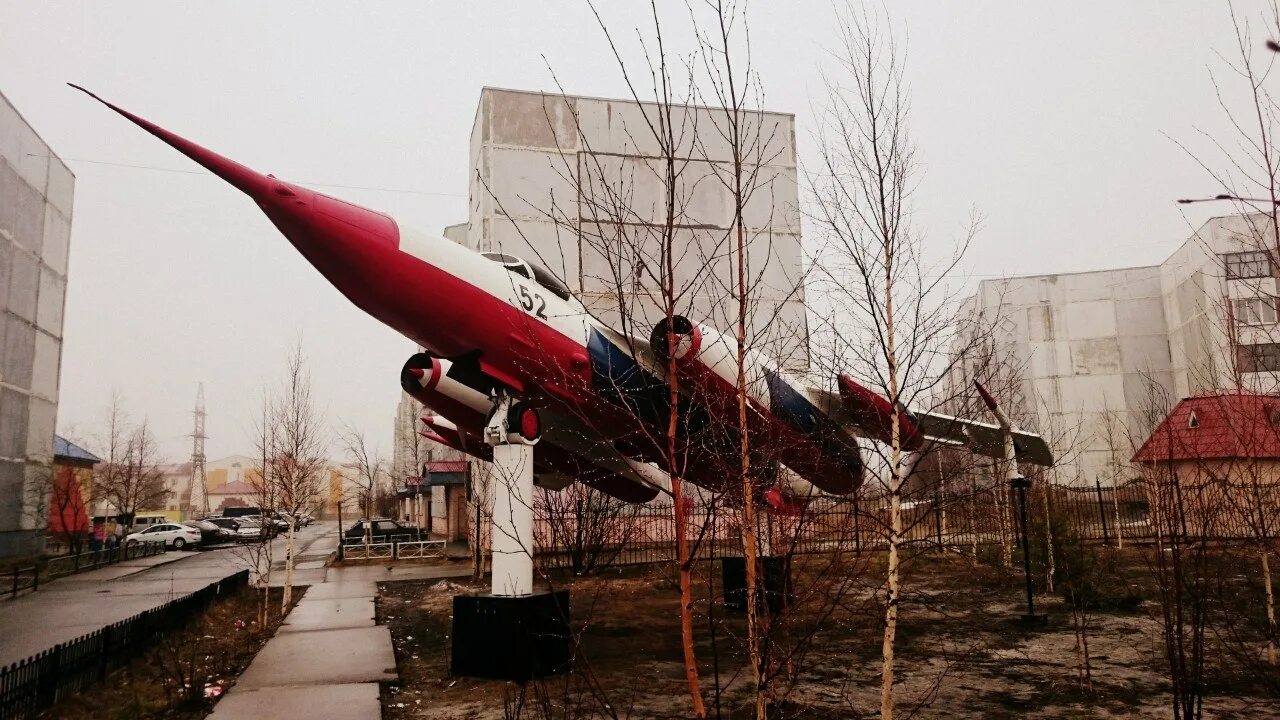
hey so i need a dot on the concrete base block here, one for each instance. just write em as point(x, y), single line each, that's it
point(776, 589)
point(511, 638)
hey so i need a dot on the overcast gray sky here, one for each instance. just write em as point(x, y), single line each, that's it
point(1048, 118)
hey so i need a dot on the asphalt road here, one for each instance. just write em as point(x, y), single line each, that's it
point(73, 606)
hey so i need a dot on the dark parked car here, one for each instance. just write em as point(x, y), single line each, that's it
point(382, 530)
point(211, 533)
point(225, 523)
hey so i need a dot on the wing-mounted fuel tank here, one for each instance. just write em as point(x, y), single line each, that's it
point(780, 417)
point(564, 451)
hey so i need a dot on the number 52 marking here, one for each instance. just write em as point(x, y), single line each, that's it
point(528, 301)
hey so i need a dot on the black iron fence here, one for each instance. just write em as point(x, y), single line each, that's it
point(969, 519)
point(29, 576)
point(41, 680)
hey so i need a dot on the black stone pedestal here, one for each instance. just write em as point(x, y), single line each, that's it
point(776, 588)
point(511, 638)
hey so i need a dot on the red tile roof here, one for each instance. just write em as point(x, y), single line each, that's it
point(443, 466)
point(1227, 425)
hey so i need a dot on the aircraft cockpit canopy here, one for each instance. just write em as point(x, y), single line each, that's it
point(533, 271)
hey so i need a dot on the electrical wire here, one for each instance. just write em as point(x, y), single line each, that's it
point(209, 174)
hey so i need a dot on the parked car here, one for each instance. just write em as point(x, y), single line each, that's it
point(253, 531)
point(382, 530)
point(211, 533)
point(256, 513)
point(142, 522)
point(225, 523)
point(273, 526)
point(300, 520)
point(172, 534)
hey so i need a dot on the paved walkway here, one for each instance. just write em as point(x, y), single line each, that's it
point(71, 606)
point(329, 655)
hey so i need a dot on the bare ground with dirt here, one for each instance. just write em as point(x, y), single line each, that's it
point(961, 653)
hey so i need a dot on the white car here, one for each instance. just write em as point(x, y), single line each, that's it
point(171, 534)
point(250, 530)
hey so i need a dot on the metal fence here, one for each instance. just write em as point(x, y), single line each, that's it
point(398, 550)
point(973, 518)
point(29, 576)
point(368, 551)
point(41, 680)
point(419, 549)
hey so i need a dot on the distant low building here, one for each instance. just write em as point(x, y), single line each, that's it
point(70, 491)
point(438, 500)
point(1215, 460)
point(233, 494)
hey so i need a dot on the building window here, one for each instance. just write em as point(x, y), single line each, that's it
point(1193, 422)
point(1255, 311)
point(1264, 357)
point(1245, 265)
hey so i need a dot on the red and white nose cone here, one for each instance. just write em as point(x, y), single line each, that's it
point(421, 372)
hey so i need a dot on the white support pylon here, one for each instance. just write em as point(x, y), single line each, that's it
point(511, 541)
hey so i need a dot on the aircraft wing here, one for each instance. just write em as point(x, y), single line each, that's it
point(870, 415)
point(984, 438)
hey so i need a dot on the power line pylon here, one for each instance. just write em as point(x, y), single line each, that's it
point(198, 437)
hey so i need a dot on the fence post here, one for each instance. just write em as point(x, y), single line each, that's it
point(857, 525)
point(35, 575)
point(1119, 528)
point(15, 582)
point(937, 516)
point(47, 680)
point(103, 654)
point(1102, 512)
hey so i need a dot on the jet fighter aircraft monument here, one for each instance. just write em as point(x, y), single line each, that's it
point(523, 376)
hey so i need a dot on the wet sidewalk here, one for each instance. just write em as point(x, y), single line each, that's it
point(329, 655)
point(325, 662)
point(71, 606)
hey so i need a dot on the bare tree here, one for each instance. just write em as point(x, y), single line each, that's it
point(1246, 173)
point(893, 306)
point(260, 554)
point(130, 479)
point(367, 472)
point(1180, 562)
point(411, 452)
point(588, 527)
point(297, 465)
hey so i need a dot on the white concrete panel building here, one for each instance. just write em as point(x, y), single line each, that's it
point(36, 193)
point(575, 185)
point(1094, 350)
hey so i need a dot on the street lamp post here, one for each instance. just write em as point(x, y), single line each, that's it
point(1021, 485)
